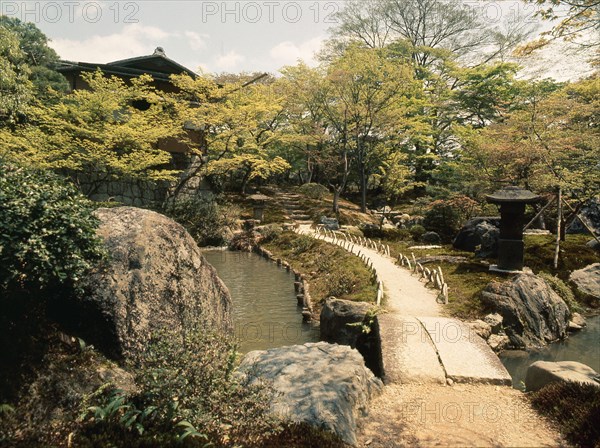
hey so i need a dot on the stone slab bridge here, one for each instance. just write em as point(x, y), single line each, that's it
point(418, 343)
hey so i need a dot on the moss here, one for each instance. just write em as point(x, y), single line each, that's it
point(330, 270)
point(574, 254)
point(562, 289)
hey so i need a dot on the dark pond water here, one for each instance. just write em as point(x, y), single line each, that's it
point(265, 310)
point(582, 347)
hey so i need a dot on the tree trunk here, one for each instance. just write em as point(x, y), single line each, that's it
point(336, 198)
point(363, 189)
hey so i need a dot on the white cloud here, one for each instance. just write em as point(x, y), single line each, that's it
point(288, 53)
point(229, 61)
point(132, 40)
point(196, 41)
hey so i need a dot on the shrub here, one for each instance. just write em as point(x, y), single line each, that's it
point(187, 393)
point(314, 191)
point(576, 409)
point(387, 234)
point(417, 231)
point(446, 217)
point(208, 222)
point(47, 231)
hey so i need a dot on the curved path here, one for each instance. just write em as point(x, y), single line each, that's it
point(419, 345)
point(421, 351)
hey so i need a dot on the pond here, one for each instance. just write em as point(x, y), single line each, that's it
point(583, 347)
point(265, 310)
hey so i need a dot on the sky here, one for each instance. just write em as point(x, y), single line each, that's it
point(219, 36)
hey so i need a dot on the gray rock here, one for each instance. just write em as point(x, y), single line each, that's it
point(324, 385)
point(338, 319)
point(533, 314)
point(481, 328)
point(431, 238)
point(498, 342)
point(155, 278)
point(591, 214)
point(587, 280)
point(471, 236)
point(442, 259)
point(593, 244)
point(342, 323)
point(541, 373)
point(388, 226)
point(330, 223)
point(495, 322)
point(489, 235)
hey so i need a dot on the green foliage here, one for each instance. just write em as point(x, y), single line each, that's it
point(40, 58)
point(209, 223)
point(17, 90)
point(98, 135)
point(47, 231)
point(446, 217)
point(341, 284)
point(576, 409)
point(417, 231)
point(562, 289)
point(302, 244)
point(192, 381)
point(314, 191)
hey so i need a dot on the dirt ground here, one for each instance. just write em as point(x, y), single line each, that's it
point(460, 415)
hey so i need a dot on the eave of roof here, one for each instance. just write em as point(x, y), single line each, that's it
point(123, 68)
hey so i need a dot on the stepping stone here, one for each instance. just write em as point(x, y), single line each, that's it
point(466, 357)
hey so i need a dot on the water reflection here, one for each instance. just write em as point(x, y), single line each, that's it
point(582, 347)
point(265, 310)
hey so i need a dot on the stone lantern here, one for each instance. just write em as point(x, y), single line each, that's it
point(259, 202)
point(512, 202)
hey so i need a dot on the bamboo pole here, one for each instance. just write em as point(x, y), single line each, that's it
point(550, 202)
point(582, 221)
point(558, 225)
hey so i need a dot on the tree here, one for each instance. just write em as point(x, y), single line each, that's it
point(15, 88)
point(450, 25)
point(241, 126)
point(573, 19)
point(552, 141)
point(350, 111)
point(99, 135)
point(40, 58)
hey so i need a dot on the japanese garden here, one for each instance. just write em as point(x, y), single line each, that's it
point(394, 244)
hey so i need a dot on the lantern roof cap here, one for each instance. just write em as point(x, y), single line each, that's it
point(513, 194)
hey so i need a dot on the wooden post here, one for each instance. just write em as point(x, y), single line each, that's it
point(558, 230)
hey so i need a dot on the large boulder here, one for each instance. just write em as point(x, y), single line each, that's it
point(587, 280)
point(532, 313)
point(541, 373)
point(324, 385)
point(354, 324)
point(155, 279)
point(479, 233)
point(591, 214)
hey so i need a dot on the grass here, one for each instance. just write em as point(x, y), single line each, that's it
point(330, 270)
point(467, 280)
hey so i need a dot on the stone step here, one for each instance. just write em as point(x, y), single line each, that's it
point(301, 217)
point(408, 354)
point(466, 357)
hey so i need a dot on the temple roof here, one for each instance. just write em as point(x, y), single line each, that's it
point(158, 65)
